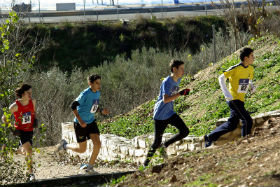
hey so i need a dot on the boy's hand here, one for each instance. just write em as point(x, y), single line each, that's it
point(105, 111)
point(185, 91)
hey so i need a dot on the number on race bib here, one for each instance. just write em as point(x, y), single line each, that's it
point(94, 107)
point(26, 118)
point(243, 86)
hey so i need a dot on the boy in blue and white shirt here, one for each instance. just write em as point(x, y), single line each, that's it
point(164, 113)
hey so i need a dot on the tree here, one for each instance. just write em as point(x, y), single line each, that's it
point(15, 61)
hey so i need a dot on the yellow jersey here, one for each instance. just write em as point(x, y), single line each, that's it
point(239, 77)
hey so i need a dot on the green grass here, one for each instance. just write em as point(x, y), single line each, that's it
point(206, 104)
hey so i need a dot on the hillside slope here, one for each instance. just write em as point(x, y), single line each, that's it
point(249, 162)
point(206, 104)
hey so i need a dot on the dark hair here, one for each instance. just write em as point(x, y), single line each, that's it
point(22, 89)
point(175, 64)
point(93, 78)
point(245, 52)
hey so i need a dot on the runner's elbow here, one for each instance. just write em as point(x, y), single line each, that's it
point(74, 105)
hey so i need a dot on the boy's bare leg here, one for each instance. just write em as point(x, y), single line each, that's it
point(81, 149)
point(28, 150)
point(96, 147)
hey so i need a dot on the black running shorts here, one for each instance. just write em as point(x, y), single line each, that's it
point(82, 134)
point(25, 136)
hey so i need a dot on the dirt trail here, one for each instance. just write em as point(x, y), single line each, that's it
point(50, 164)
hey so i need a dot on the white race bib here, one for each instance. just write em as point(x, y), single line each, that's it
point(243, 86)
point(26, 118)
point(94, 107)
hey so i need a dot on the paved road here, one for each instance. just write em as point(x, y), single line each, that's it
point(131, 16)
point(123, 13)
point(127, 13)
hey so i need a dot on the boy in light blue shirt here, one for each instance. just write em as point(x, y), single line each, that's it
point(164, 113)
point(84, 108)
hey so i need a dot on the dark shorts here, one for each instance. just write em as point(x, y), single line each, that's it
point(25, 136)
point(82, 134)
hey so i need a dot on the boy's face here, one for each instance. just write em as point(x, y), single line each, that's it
point(96, 85)
point(250, 59)
point(179, 72)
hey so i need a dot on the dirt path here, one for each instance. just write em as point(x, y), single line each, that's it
point(50, 164)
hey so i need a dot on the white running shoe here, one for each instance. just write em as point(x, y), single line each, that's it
point(83, 166)
point(31, 177)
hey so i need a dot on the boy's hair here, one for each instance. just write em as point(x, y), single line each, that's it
point(93, 78)
point(175, 64)
point(245, 52)
point(20, 90)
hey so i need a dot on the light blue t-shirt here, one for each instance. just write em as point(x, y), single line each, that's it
point(88, 101)
point(163, 111)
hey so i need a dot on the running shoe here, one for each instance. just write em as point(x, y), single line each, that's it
point(83, 166)
point(31, 177)
point(62, 145)
point(208, 142)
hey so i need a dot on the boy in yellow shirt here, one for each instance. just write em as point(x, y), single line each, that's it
point(240, 79)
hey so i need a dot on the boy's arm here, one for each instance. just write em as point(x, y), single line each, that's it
point(253, 87)
point(222, 82)
point(75, 111)
point(167, 98)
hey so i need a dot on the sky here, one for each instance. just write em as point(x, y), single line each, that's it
point(51, 4)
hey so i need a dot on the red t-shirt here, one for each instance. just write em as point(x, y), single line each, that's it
point(24, 116)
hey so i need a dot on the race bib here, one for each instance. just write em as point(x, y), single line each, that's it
point(243, 86)
point(94, 107)
point(26, 118)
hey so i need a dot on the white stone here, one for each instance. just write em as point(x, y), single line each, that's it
point(135, 142)
point(139, 152)
point(183, 147)
point(124, 150)
point(131, 152)
point(142, 143)
point(191, 147)
point(171, 150)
